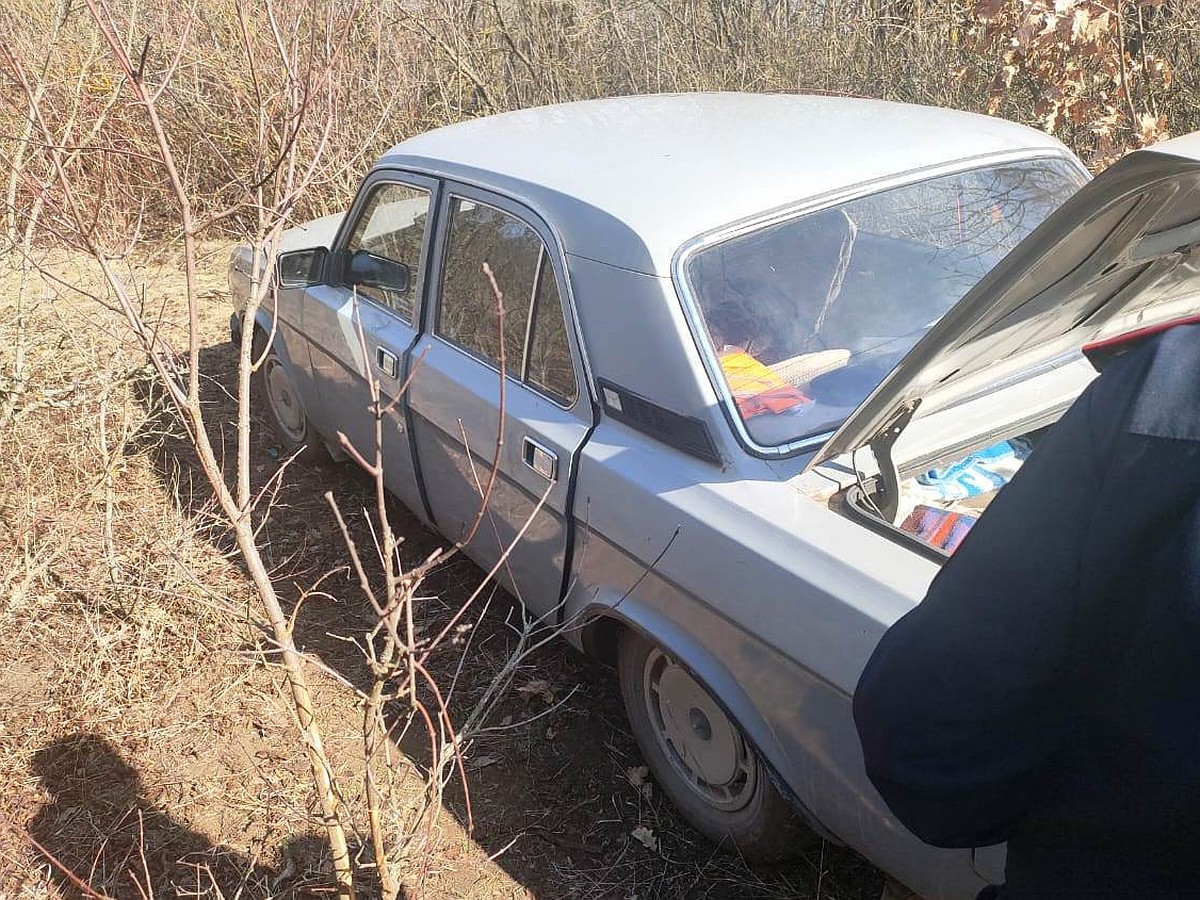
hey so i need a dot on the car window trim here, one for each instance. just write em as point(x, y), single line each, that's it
point(529, 218)
point(530, 321)
point(462, 181)
point(335, 272)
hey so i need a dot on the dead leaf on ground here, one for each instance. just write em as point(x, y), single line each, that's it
point(639, 777)
point(538, 687)
point(645, 837)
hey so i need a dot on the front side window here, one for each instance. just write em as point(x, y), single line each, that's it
point(536, 350)
point(391, 228)
point(807, 316)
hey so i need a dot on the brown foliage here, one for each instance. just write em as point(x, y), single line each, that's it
point(1082, 67)
point(1102, 74)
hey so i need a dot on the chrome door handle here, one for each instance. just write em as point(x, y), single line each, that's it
point(388, 362)
point(540, 458)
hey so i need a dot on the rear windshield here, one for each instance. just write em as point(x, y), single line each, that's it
point(805, 317)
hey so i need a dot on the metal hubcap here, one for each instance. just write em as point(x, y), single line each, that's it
point(702, 745)
point(284, 403)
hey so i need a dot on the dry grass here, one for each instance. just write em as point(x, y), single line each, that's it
point(120, 623)
point(142, 714)
point(145, 734)
point(419, 66)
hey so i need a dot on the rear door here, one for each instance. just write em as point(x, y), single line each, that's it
point(363, 330)
point(455, 397)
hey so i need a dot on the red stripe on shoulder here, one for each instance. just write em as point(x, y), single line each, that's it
point(1099, 352)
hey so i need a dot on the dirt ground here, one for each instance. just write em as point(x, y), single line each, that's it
point(146, 743)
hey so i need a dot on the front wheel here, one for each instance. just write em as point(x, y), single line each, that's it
point(701, 759)
point(272, 384)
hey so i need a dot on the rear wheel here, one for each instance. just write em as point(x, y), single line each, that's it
point(279, 399)
point(701, 759)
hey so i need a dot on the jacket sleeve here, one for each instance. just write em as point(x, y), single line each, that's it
point(969, 695)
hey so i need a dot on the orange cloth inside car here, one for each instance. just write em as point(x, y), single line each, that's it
point(755, 388)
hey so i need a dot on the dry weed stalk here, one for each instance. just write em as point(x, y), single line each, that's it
point(308, 73)
point(297, 114)
point(397, 662)
point(417, 66)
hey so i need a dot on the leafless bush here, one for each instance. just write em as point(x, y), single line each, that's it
point(417, 66)
point(65, 162)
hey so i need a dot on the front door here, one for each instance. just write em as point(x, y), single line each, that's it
point(367, 328)
point(455, 397)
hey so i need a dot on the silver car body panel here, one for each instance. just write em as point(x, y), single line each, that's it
point(456, 469)
point(638, 338)
point(454, 400)
point(779, 629)
point(340, 363)
point(347, 332)
point(317, 233)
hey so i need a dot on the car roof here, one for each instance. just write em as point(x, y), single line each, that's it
point(629, 180)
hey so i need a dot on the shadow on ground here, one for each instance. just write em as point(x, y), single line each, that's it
point(99, 826)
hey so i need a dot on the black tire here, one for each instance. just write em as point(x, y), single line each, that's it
point(276, 396)
point(743, 813)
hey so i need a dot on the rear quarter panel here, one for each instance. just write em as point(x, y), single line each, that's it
point(775, 603)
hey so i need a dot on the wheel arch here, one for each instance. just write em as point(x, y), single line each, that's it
point(264, 327)
point(601, 636)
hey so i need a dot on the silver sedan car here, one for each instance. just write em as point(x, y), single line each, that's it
point(765, 360)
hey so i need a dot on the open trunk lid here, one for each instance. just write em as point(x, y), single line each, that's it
point(1122, 253)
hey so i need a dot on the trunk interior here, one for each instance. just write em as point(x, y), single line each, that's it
point(938, 504)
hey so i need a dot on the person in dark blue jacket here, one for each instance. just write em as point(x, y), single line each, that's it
point(1047, 690)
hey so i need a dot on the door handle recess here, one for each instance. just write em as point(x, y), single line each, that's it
point(388, 362)
point(541, 459)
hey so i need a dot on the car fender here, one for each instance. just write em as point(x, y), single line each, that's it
point(628, 611)
point(264, 322)
point(299, 372)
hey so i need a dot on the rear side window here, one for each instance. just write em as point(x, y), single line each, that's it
point(548, 363)
point(392, 226)
point(536, 350)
